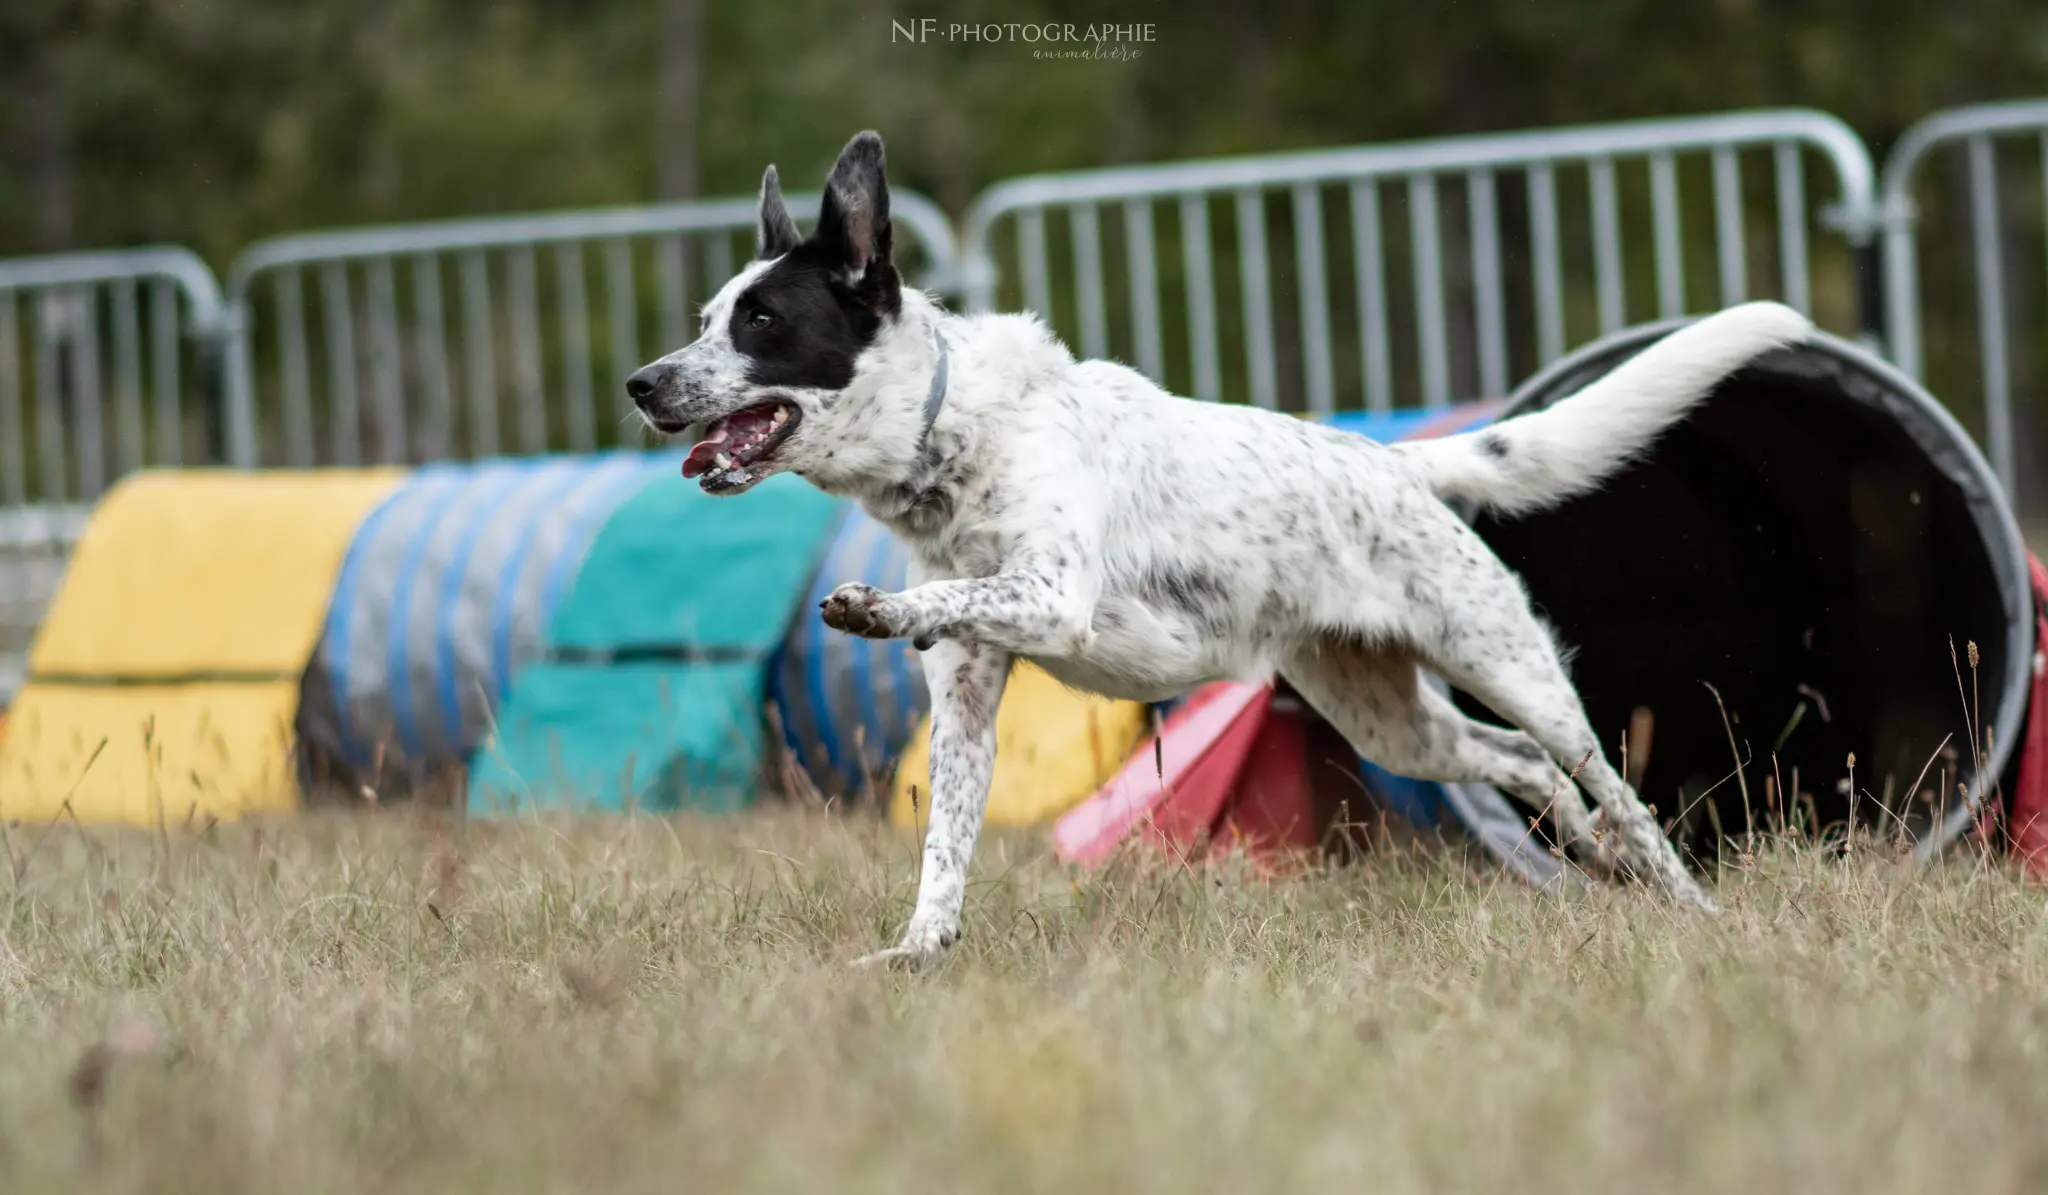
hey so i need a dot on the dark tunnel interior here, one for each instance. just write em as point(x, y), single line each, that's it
point(1796, 549)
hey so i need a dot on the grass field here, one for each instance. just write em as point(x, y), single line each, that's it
point(394, 1004)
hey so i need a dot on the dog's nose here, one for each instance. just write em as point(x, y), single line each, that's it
point(645, 384)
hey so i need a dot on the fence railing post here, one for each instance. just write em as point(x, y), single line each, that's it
point(233, 403)
point(1974, 128)
point(1432, 210)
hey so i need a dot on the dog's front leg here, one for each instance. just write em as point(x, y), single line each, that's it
point(1024, 611)
point(966, 680)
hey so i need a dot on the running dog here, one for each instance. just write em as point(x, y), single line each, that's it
point(1138, 544)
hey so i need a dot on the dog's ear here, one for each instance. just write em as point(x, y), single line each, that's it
point(776, 234)
point(853, 221)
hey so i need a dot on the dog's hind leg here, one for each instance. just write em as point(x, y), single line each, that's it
point(1502, 655)
point(1377, 700)
point(966, 681)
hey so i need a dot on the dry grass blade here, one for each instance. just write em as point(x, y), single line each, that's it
point(63, 811)
point(1741, 764)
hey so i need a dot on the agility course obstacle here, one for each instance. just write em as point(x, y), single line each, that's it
point(1820, 542)
point(652, 688)
point(163, 683)
point(446, 591)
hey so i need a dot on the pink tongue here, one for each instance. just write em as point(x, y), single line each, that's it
point(739, 428)
point(699, 460)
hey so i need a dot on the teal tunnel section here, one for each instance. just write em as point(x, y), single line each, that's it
point(651, 691)
point(442, 599)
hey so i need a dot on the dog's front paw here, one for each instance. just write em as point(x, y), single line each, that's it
point(920, 948)
point(901, 957)
point(860, 610)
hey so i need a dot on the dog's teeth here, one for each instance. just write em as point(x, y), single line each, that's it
point(781, 416)
point(722, 461)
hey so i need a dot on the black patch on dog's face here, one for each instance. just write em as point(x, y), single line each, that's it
point(800, 325)
point(810, 316)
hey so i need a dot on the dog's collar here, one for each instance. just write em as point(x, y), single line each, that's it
point(937, 397)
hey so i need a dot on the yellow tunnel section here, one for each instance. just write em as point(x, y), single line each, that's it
point(163, 682)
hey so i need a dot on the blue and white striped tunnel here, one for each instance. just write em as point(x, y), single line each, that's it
point(446, 591)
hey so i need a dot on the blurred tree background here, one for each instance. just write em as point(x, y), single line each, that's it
point(214, 122)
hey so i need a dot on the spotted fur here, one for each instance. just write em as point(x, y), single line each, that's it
point(1137, 544)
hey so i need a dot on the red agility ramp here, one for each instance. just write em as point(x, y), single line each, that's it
point(1239, 766)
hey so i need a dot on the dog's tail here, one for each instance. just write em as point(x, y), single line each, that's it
point(1533, 461)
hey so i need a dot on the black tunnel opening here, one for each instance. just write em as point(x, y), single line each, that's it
point(1809, 543)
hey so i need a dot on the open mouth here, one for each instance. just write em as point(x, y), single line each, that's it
point(734, 447)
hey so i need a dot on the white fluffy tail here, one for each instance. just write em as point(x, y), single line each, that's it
point(1536, 460)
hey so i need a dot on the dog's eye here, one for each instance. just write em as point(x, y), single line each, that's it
point(760, 319)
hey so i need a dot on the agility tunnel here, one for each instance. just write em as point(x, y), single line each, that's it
point(652, 690)
point(445, 593)
point(1813, 583)
point(163, 682)
point(586, 630)
point(1813, 551)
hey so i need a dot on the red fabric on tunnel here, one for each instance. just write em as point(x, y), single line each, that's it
point(2030, 789)
point(1240, 767)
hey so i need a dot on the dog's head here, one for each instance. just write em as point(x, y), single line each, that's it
point(780, 342)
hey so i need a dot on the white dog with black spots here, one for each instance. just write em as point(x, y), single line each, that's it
point(1136, 544)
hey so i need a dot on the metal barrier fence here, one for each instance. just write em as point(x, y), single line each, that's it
point(94, 352)
point(392, 385)
point(1985, 278)
point(1489, 295)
